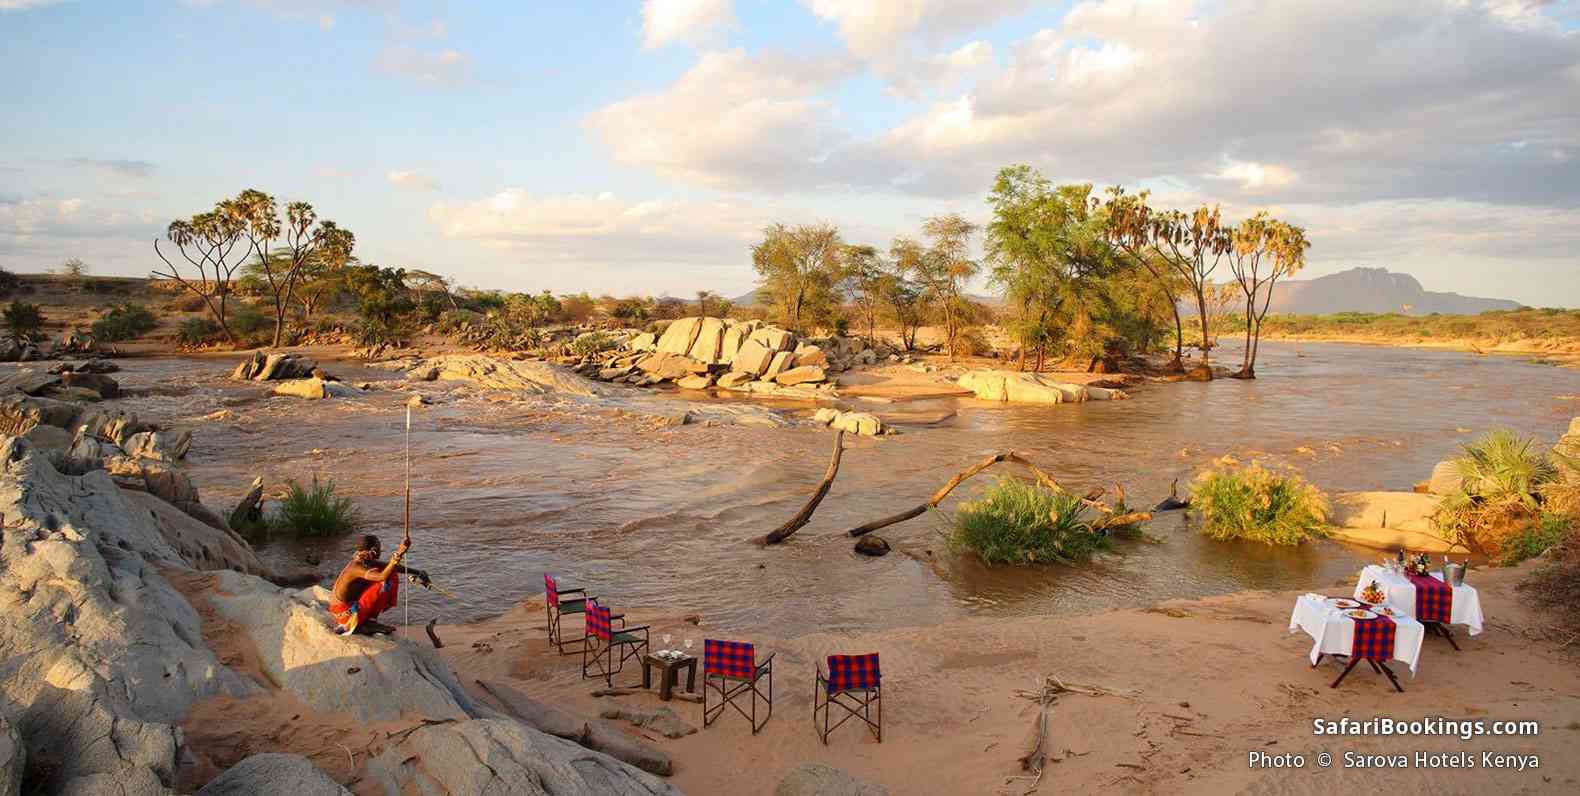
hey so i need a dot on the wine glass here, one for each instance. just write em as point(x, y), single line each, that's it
point(688, 646)
point(667, 638)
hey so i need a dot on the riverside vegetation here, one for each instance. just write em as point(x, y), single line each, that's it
point(1511, 500)
point(1254, 503)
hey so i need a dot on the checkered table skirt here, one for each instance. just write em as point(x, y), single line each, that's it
point(1374, 639)
point(1434, 599)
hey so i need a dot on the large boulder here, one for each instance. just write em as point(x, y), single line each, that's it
point(502, 756)
point(696, 381)
point(164, 446)
point(100, 656)
point(1568, 450)
point(523, 375)
point(680, 336)
point(105, 386)
point(19, 413)
point(708, 348)
point(259, 366)
point(1408, 511)
point(800, 375)
point(810, 355)
point(816, 779)
point(646, 341)
point(753, 358)
point(773, 339)
point(315, 388)
point(1034, 388)
point(373, 679)
point(860, 423)
point(734, 379)
point(1445, 478)
point(780, 364)
point(273, 774)
point(668, 366)
point(200, 545)
point(734, 337)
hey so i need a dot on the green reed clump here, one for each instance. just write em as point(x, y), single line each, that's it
point(315, 510)
point(1017, 522)
point(1258, 505)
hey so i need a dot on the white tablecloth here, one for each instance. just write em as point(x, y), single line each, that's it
point(1466, 609)
point(1334, 633)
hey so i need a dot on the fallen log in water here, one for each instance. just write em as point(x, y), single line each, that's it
point(804, 516)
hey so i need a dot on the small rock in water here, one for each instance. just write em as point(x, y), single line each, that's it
point(872, 546)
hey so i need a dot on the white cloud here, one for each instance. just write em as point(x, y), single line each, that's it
point(670, 21)
point(735, 120)
point(873, 27)
point(576, 241)
point(412, 180)
point(445, 68)
point(1254, 177)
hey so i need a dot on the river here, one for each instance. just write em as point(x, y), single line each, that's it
point(660, 518)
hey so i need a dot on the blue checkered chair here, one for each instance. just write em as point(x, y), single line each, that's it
point(731, 668)
point(855, 683)
point(606, 649)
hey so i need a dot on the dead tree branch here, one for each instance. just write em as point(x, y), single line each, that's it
point(804, 516)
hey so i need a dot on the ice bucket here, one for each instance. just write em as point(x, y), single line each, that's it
point(1454, 574)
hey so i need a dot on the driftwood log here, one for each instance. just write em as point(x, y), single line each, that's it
point(1109, 519)
point(804, 516)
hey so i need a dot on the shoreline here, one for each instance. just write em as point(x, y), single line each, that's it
point(1565, 353)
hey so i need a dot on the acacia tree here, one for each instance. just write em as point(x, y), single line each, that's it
point(903, 298)
point(303, 238)
point(864, 273)
point(1193, 245)
point(942, 268)
point(1262, 241)
point(208, 242)
point(703, 297)
point(1130, 229)
point(799, 269)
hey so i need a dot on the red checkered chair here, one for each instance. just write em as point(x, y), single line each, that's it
point(731, 668)
point(603, 643)
point(556, 606)
point(854, 683)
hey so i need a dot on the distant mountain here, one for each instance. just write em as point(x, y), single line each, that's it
point(1375, 290)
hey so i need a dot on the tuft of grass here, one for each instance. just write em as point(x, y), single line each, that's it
point(315, 511)
point(1256, 504)
point(1503, 480)
point(1018, 522)
point(1550, 530)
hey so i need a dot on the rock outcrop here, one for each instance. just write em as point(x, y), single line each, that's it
point(273, 774)
point(259, 366)
point(13, 758)
point(862, 423)
point(499, 756)
point(371, 678)
point(530, 376)
point(99, 655)
point(316, 389)
point(1445, 478)
point(1035, 388)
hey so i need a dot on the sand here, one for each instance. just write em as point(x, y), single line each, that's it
point(1214, 680)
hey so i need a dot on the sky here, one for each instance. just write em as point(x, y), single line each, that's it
point(640, 146)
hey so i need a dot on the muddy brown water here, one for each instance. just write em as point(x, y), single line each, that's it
point(660, 518)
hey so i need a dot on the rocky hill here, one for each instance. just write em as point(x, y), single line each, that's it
point(1375, 290)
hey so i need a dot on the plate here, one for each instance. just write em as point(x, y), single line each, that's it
point(1344, 602)
point(1384, 610)
point(1360, 613)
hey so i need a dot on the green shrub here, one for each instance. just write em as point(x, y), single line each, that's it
point(8, 282)
point(315, 511)
point(23, 320)
point(193, 332)
point(1258, 505)
point(124, 322)
point(1549, 530)
point(1502, 480)
point(589, 344)
point(1018, 522)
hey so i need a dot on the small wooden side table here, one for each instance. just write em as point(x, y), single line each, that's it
point(669, 672)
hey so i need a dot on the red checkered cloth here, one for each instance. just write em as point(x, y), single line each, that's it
point(1373, 639)
point(735, 659)
point(551, 590)
point(1434, 599)
point(853, 672)
point(598, 620)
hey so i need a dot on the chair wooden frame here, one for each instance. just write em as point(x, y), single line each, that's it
point(601, 640)
point(858, 703)
point(731, 687)
point(555, 608)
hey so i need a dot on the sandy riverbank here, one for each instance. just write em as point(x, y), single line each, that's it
point(1562, 351)
point(1214, 679)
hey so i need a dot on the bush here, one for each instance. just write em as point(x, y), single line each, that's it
point(8, 282)
point(23, 320)
point(315, 511)
point(1017, 522)
point(124, 322)
point(194, 332)
point(591, 343)
point(1556, 585)
point(1548, 531)
point(1258, 505)
point(1502, 480)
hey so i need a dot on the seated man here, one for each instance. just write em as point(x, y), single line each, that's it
point(368, 586)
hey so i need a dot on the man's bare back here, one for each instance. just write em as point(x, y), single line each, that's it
point(352, 604)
